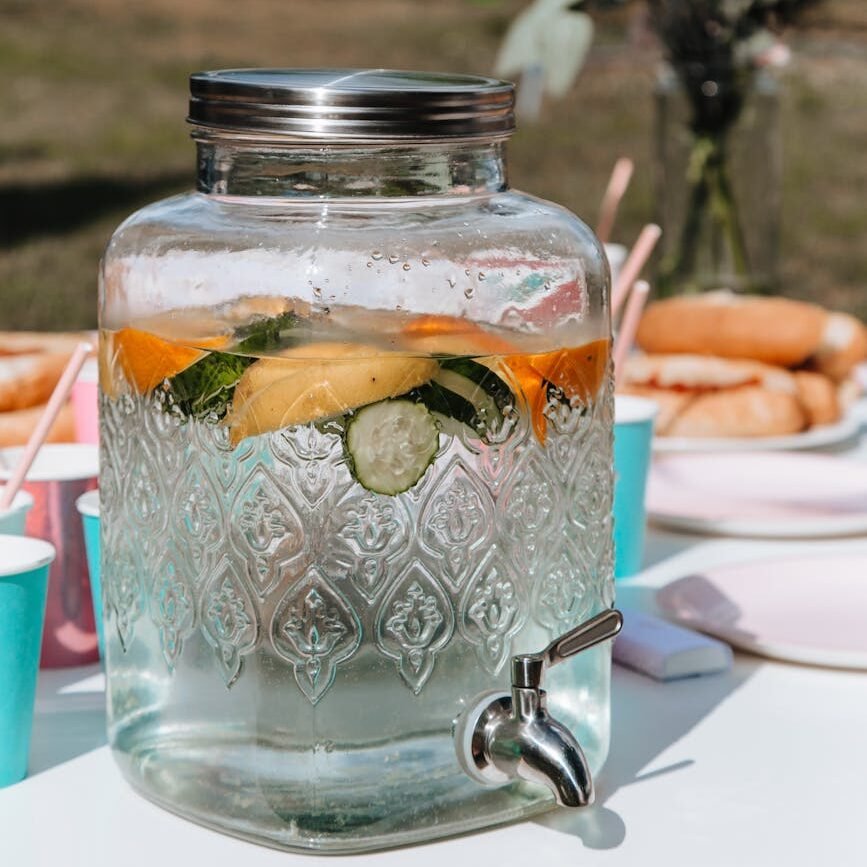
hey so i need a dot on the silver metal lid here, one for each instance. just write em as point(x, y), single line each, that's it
point(351, 104)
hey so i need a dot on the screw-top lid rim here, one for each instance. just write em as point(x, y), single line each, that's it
point(351, 104)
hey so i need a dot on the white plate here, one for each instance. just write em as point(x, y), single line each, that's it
point(810, 609)
point(814, 438)
point(759, 494)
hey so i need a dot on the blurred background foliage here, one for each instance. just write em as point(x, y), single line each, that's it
point(93, 100)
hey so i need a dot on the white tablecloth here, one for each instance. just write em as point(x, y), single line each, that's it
point(763, 765)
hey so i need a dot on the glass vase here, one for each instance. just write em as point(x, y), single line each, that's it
point(717, 180)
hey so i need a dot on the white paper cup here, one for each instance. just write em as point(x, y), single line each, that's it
point(54, 462)
point(616, 254)
point(84, 403)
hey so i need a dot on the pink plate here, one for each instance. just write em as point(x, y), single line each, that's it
point(782, 494)
point(810, 609)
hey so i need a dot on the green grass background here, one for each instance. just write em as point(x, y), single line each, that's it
point(93, 99)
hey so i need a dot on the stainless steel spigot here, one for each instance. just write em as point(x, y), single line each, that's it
point(501, 737)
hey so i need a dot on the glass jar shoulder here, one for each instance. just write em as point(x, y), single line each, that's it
point(164, 225)
point(507, 258)
point(172, 222)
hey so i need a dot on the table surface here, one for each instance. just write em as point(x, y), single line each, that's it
point(763, 765)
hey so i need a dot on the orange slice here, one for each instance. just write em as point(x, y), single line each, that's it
point(434, 333)
point(578, 372)
point(146, 360)
point(318, 381)
point(108, 383)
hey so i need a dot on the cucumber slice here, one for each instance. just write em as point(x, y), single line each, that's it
point(390, 444)
point(446, 403)
point(487, 414)
point(468, 393)
point(484, 377)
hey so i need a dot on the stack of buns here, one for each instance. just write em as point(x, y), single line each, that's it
point(31, 364)
point(723, 365)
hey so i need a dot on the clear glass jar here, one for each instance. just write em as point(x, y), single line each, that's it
point(356, 451)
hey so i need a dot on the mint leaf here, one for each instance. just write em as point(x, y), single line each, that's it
point(206, 387)
point(266, 335)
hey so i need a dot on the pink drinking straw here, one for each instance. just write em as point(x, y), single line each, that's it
point(635, 261)
point(629, 323)
point(621, 175)
point(40, 432)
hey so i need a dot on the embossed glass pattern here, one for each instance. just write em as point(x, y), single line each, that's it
point(289, 639)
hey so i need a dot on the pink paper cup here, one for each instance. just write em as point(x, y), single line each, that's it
point(60, 474)
point(85, 409)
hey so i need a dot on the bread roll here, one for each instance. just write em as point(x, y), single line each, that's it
point(843, 345)
point(29, 342)
point(849, 392)
point(776, 331)
point(669, 401)
point(746, 411)
point(28, 380)
point(701, 396)
point(17, 425)
point(703, 373)
point(818, 396)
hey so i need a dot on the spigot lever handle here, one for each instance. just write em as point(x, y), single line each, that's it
point(527, 668)
point(599, 628)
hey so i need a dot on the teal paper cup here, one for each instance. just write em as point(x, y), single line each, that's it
point(88, 506)
point(633, 436)
point(13, 519)
point(24, 566)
